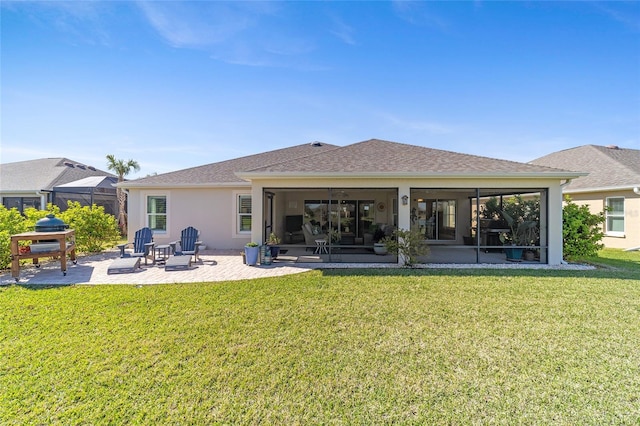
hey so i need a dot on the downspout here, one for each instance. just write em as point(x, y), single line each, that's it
point(43, 198)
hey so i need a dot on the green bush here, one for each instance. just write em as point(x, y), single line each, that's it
point(581, 230)
point(95, 229)
point(11, 222)
point(407, 244)
point(32, 215)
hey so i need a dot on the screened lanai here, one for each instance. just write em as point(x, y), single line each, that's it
point(460, 225)
point(98, 190)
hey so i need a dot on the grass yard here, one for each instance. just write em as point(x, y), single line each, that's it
point(339, 347)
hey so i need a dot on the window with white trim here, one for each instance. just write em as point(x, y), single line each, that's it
point(614, 214)
point(244, 213)
point(157, 213)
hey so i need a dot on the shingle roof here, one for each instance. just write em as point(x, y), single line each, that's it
point(608, 167)
point(383, 157)
point(369, 157)
point(224, 172)
point(43, 174)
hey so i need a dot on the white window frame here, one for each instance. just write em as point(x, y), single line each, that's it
point(609, 214)
point(147, 214)
point(238, 215)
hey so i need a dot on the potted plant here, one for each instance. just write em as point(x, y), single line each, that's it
point(273, 242)
point(521, 233)
point(251, 251)
point(379, 246)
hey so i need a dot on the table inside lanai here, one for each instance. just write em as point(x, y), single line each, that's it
point(61, 244)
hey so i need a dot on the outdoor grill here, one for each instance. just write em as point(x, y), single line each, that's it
point(50, 223)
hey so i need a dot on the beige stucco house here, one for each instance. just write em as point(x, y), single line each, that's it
point(612, 186)
point(342, 197)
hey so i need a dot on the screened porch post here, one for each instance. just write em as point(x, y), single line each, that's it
point(477, 225)
point(257, 219)
point(404, 211)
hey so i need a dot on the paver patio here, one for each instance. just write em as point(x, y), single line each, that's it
point(214, 265)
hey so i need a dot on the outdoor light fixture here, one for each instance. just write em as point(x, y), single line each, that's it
point(405, 200)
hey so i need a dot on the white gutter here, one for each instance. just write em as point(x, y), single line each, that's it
point(633, 188)
point(356, 175)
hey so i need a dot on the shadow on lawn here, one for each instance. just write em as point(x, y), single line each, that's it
point(620, 269)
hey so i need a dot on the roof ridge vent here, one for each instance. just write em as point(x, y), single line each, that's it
point(613, 147)
point(68, 164)
point(80, 166)
point(91, 168)
point(316, 143)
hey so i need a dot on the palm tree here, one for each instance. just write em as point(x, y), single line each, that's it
point(122, 168)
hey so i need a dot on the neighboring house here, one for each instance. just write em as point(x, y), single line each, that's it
point(35, 183)
point(612, 186)
point(347, 192)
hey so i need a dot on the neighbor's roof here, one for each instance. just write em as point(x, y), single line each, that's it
point(107, 182)
point(608, 167)
point(369, 158)
point(43, 174)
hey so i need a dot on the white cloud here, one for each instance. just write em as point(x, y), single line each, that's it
point(244, 33)
point(419, 13)
point(615, 10)
point(183, 25)
point(81, 20)
point(343, 31)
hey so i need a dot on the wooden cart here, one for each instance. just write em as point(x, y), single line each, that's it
point(66, 245)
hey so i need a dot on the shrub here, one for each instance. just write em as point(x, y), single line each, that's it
point(581, 230)
point(11, 222)
point(95, 229)
point(407, 244)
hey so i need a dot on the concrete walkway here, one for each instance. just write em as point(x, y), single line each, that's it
point(213, 265)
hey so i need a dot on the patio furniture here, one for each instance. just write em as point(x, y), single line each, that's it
point(142, 246)
point(189, 243)
point(310, 237)
point(124, 265)
point(321, 246)
point(178, 263)
point(64, 243)
point(163, 251)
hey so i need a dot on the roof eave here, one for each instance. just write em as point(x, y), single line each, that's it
point(404, 175)
point(130, 185)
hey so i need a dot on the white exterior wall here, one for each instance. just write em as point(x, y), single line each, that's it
point(210, 210)
point(213, 210)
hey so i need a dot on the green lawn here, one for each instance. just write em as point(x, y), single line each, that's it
point(339, 347)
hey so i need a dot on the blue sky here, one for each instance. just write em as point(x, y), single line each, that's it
point(179, 84)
